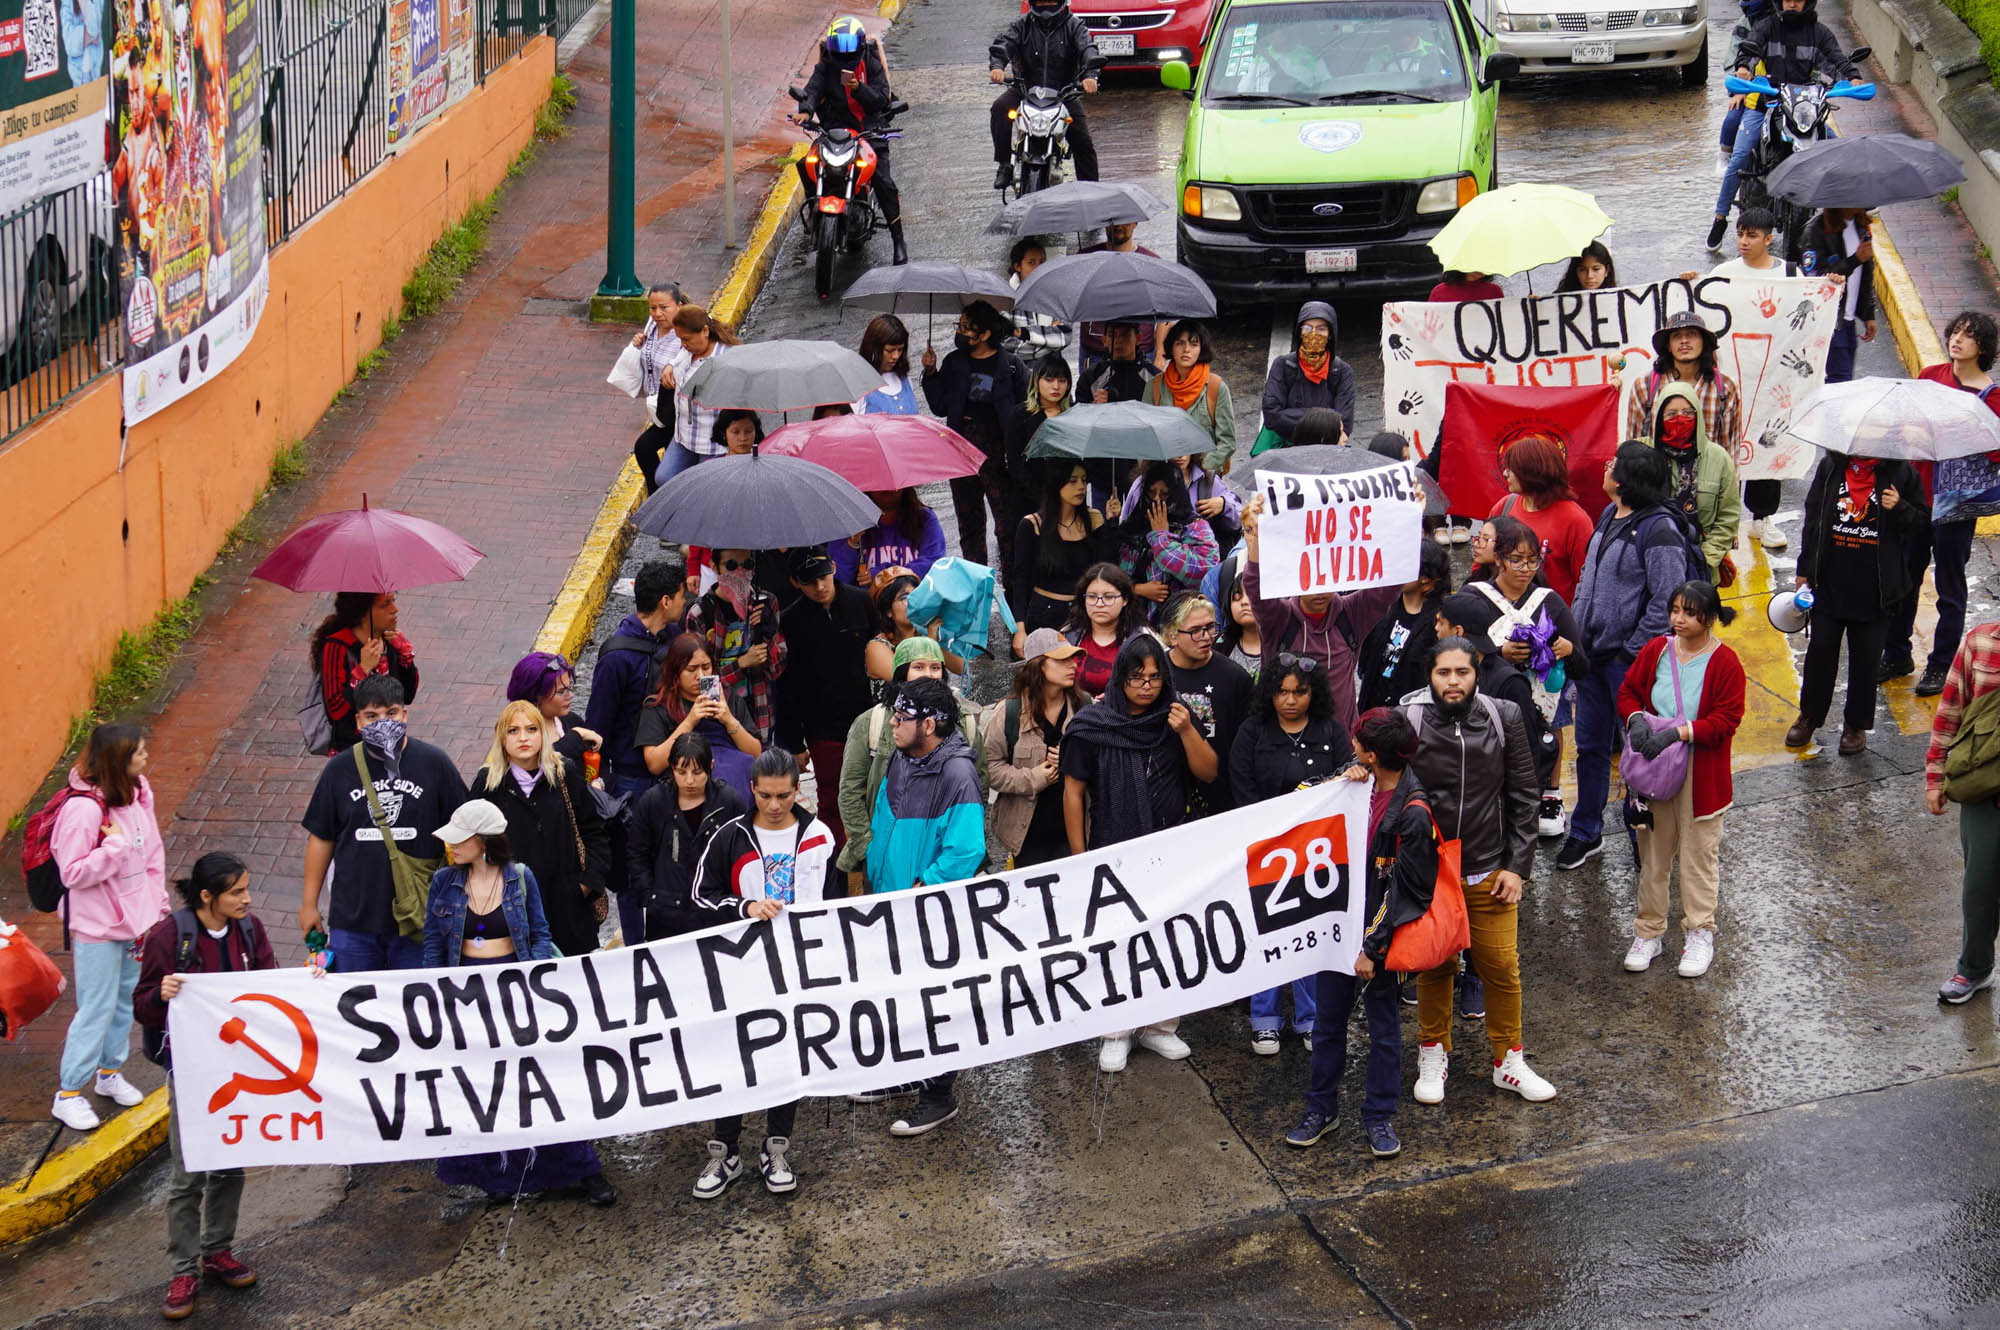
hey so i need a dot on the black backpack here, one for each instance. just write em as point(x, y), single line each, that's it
point(1648, 522)
point(187, 958)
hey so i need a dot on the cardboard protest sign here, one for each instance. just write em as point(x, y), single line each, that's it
point(1339, 532)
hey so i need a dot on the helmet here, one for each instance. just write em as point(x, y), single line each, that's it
point(845, 40)
point(1049, 10)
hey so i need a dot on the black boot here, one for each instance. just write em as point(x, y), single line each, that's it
point(898, 254)
point(1004, 176)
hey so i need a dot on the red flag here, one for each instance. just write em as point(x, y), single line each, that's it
point(1480, 421)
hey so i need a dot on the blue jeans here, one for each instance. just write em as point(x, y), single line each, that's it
point(1597, 731)
point(1265, 1005)
point(1748, 131)
point(1385, 1045)
point(1840, 350)
point(1730, 120)
point(674, 460)
point(100, 1034)
point(354, 951)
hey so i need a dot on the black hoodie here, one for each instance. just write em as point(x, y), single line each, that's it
point(1793, 48)
point(1289, 394)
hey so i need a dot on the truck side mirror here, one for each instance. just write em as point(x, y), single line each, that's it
point(1500, 65)
point(1177, 75)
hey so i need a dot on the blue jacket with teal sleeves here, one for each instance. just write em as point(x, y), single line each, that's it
point(929, 824)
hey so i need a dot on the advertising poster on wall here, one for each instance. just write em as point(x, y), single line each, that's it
point(190, 194)
point(54, 97)
point(430, 62)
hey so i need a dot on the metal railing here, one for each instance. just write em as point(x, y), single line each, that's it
point(325, 126)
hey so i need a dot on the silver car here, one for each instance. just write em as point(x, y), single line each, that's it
point(1591, 36)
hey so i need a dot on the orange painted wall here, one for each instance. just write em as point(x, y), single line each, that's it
point(88, 550)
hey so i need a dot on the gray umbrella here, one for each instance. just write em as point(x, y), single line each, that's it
point(910, 287)
point(1076, 205)
point(756, 502)
point(1108, 284)
point(1865, 172)
point(781, 376)
point(1120, 429)
point(1324, 459)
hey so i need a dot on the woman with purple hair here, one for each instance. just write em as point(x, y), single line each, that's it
point(549, 681)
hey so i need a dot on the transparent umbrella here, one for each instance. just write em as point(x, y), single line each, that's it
point(1913, 420)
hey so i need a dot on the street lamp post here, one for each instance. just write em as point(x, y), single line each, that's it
point(620, 278)
point(728, 138)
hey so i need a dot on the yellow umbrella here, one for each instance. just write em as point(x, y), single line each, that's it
point(1519, 227)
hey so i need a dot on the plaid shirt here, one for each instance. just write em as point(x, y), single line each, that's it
point(1721, 409)
point(1975, 671)
point(728, 638)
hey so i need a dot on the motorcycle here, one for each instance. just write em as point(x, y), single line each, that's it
point(839, 208)
point(1041, 135)
point(1795, 115)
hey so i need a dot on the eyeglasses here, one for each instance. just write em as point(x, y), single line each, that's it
point(1200, 630)
point(565, 690)
point(735, 565)
point(1152, 680)
point(1103, 597)
point(1481, 538)
point(1303, 664)
point(1526, 563)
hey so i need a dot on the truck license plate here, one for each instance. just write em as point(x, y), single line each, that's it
point(1330, 260)
point(1591, 53)
point(1124, 43)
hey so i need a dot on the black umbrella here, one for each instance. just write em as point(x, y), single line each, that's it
point(1865, 172)
point(1076, 205)
point(1109, 284)
point(755, 502)
point(1325, 459)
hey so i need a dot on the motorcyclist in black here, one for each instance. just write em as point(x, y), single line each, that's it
point(849, 89)
point(1049, 47)
point(1794, 47)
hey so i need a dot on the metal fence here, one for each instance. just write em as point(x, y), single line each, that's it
point(325, 126)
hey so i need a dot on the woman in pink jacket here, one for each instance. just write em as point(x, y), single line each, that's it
point(107, 845)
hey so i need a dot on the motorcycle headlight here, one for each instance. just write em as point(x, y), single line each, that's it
point(1211, 203)
point(1672, 18)
point(1527, 22)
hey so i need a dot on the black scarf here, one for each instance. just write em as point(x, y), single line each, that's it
point(1121, 802)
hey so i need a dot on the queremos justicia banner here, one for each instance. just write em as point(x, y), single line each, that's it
point(429, 62)
point(1772, 334)
point(54, 97)
point(190, 194)
point(280, 1067)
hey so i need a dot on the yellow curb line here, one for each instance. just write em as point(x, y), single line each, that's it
point(1916, 336)
point(72, 1179)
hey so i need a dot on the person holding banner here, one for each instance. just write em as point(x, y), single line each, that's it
point(1288, 741)
point(929, 828)
point(213, 932)
point(1216, 690)
point(1126, 761)
point(1401, 877)
point(755, 866)
point(486, 909)
point(1473, 756)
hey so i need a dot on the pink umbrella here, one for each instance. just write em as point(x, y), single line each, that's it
point(878, 452)
point(367, 549)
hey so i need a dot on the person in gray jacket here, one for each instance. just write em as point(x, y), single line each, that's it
point(1474, 758)
point(1637, 557)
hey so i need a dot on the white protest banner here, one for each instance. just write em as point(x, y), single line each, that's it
point(281, 1067)
point(1772, 334)
point(1340, 532)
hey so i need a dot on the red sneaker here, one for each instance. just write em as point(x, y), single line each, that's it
point(180, 1298)
point(225, 1267)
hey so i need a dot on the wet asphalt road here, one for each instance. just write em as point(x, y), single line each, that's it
point(1799, 1139)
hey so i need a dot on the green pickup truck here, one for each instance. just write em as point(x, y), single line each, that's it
point(1329, 139)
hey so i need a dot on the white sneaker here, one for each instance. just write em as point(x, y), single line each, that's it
point(1550, 820)
point(118, 1090)
point(1112, 1053)
point(721, 1169)
point(1433, 1065)
point(1514, 1073)
point(1264, 1042)
point(777, 1169)
point(1442, 536)
point(1698, 953)
point(1767, 533)
point(72, 1112)
point(1461, 534)
point(1642, 953)
point(1169, 1046)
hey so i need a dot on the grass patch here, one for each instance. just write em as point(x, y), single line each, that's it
point(1950, 195)
point(438, 276)
point(138, 663)
point(1983, 17)
point(552, 115)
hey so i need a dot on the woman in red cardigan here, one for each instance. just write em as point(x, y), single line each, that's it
point(1689, 824)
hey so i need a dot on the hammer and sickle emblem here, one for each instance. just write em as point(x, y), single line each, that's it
point(234, 1031)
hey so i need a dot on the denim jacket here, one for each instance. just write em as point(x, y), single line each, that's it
point(520, 905)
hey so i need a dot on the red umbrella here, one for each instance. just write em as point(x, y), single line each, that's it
point(878, 452)
point(367, 549)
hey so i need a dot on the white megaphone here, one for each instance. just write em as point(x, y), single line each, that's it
point(1790, 611)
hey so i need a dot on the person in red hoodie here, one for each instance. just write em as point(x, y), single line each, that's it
point(1692, 675)
point(1972, 341)
point(214, 932)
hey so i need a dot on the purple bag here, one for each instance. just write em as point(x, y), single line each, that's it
point(1657, 779)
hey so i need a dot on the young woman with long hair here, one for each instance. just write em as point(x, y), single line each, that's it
point(908, 535)
point(1054, 545)
point(358, 639)
point(684, 702)
point(1105, 615)
point(885, 344)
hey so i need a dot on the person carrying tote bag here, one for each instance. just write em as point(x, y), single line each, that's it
point(1683, 693)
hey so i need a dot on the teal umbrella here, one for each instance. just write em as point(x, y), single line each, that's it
point(1120, 429)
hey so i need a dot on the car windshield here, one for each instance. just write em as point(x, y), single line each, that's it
point(1340, 52)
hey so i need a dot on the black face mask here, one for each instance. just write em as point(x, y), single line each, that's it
point(1791, 20)
point(963, 341)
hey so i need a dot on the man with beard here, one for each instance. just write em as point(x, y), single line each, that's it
point(1475, 759)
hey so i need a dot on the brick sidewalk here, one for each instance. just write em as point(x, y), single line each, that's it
point(492, 417)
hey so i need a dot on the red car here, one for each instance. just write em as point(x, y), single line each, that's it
point(1135, 34)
